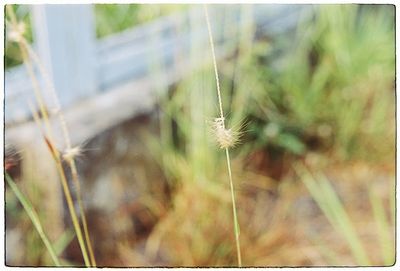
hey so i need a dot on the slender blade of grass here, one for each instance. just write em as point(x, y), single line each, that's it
point(33, 217)
point(235, 219)
point(328, 201)
point(382, 227)
point(346, 226)
point(63, 241)
point(26, 53)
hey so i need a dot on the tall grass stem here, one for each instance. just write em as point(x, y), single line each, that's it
point(33, 217)
point(68, 145)
point(49, 139)
point(221, 111)
point(235, 218)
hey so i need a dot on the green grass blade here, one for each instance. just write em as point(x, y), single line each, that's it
point(333, 209)
point(63, 241)
point(33, 217)
point(345, 225)
point(316, 194)
point(382, 227)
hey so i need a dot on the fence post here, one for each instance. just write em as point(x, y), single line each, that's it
point(64, 37)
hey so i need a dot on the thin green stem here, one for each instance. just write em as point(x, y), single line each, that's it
point(70, 203)
point(235, 218)
point(56, 156)
point(28, 53)
point(65, 132)
point(221, 111)
point(75, 221)
point(33, 217)
point(24, 48)
point(82, 211)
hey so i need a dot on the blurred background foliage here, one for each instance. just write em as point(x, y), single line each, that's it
point(12, 55)
point(334, 87)
point(322, 95)
point(109, 19)
point(315, 167)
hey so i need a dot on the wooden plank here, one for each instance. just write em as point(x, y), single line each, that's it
point(65, 42)
point(18, 90)
point(126, 56)
point(92, 116)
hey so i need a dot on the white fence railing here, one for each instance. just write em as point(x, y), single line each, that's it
point(81, 66)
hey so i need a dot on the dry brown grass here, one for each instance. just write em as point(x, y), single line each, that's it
point(281, 224)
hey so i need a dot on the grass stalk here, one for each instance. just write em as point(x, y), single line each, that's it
point(235, 219)
point(75, 221)
point(327, 199)
point(82, 211)
point(71, 162)
point(33, 216)
point(382, 227)
point(48, 136)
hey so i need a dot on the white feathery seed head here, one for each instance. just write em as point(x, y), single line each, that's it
point(70, 154)
point(226, 138)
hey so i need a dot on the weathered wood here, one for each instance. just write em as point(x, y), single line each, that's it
point(124, 57)
point(92, 116)
point(124, 98)
point(65, 42)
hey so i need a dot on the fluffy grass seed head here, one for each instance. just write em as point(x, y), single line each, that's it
point(16, 32)
point(70, 154)
point(226, 138)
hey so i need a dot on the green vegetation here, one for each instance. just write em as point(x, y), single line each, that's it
point(12, 54)
point(314, 168)
point(330, 94)
point(335, 89)
point(111, 19)
point(33, 217)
